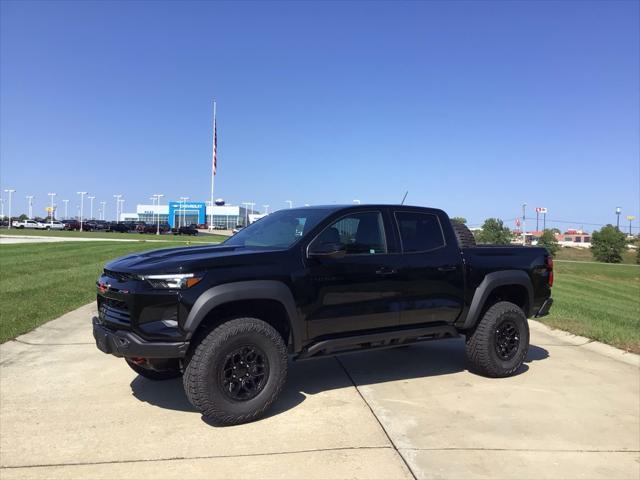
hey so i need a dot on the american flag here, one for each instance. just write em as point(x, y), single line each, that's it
point(215, 146)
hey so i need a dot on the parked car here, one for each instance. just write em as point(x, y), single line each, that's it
point(71, 224)
point(359, 277)
point(118, 227)
point(154, 228)
point(186, 230)
point(32, 224)
point(55, 225)
point(96, 224)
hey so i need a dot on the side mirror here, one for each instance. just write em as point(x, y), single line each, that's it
point(327, 250)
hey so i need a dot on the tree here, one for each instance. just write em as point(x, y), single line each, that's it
point(548, 240)
point(608, 244)
point(638, 254)
point(556, 230)
point(23, 217)
point(459, 220)
point(494, 232)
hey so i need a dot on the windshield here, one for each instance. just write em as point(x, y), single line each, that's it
point(280, 229)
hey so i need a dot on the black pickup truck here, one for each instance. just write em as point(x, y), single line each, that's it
point(311, 282)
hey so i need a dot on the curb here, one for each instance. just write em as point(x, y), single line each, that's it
point(614, 353)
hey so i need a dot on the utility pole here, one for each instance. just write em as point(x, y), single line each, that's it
point(30, 205)
point(91, 208)
point(82, 194)
point(618, 212)
point(289, 202)
point(51, 213)
point(102, 213)
point(10, 191)
point(524, 229)
point(117, 197)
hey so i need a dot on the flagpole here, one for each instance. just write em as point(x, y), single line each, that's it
point(213, 165)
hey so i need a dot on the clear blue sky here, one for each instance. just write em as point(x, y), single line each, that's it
point(474, 107)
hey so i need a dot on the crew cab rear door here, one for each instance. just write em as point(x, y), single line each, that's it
point(430, 270)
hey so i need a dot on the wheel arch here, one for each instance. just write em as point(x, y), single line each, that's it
point(507, 285)
point(269, 300)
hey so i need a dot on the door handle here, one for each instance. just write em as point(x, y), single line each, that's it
point(447, 268)
point(386, 271)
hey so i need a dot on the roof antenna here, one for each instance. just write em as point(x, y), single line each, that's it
point(404, 198)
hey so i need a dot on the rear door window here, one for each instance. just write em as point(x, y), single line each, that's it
point(419, 232)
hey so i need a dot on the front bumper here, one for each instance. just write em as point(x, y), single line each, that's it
point(123, 343)
point(544, 309)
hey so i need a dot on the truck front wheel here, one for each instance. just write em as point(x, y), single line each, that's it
point(237, 371)
point(499, 344)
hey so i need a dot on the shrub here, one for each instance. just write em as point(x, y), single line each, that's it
point(607, 244)
point(548, 240)
point(494, 232)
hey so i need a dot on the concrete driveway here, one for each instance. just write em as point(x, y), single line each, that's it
point(69, 411)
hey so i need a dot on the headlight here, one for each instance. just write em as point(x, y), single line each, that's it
point(173, 280)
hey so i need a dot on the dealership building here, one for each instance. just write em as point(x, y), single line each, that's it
point(179, 213)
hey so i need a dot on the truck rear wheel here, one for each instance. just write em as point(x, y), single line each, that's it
point(237, 371)
point(499, 344)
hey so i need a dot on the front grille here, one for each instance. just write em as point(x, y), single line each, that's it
point(113, 311)
point(120, 276)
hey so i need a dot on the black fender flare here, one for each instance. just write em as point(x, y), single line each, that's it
point(490, 282)
point(248, 290)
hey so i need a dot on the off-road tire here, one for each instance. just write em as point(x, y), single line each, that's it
point(153, 374)
point(481, 343)
point(202, 380)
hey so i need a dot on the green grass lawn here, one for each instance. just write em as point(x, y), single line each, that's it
point(202, 237)
point(41, 281)
point(584, 255)
point(599, 301)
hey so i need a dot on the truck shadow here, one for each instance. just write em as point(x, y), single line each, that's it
point(310, 377)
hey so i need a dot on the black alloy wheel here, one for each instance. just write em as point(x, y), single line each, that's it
point(507, 340)
point(244, 373)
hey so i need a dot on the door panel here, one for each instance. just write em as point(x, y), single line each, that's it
point(429, 270)
point(353, 293)
point(356, 289)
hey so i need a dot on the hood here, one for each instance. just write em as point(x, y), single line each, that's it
point(182, 259)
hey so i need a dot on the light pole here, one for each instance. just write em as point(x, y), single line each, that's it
point(266, 209)
point(157, 197)
point(121, 203)
point(66, 209)
point(2, 208)
point(51, 212)
point(82, 194)
point(524, 220)
point(631, 218)
point(618, 212)
point(117, 197)
point(30, 205)
point(91, 207)
point(102, 213)
point(355, 200)
point(289, 202)
point(10, 191)
point(183, 201)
